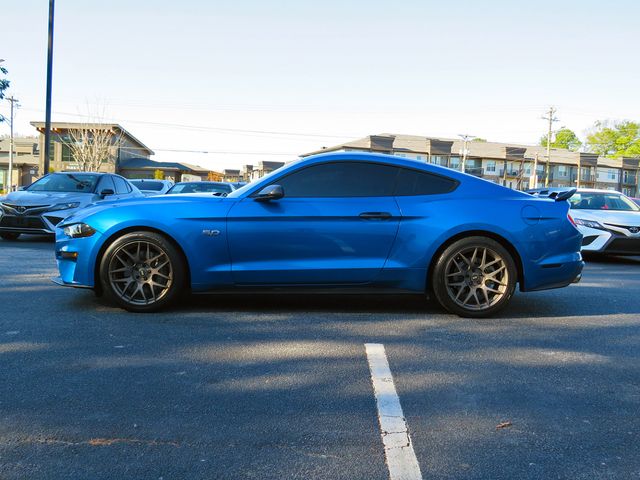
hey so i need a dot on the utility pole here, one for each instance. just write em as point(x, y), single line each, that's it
point(14, 103)
point(47, 120)
point(465, 139)
point(551, 119)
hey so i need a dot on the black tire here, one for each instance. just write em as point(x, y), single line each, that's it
point(151, 268)
point(472, 285)
point(9, 235)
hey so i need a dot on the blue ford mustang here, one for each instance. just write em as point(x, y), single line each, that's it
point(343, 222)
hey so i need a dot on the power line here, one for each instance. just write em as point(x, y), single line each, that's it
point(208, 128)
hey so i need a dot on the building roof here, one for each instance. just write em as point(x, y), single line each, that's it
point(397, 143)
point(139, 163)
point(80, 125)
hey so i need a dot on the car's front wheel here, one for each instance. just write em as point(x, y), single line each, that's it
point(9, 235)
point(474, 277)
point(142, 272)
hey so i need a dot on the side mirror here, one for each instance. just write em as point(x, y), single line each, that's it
point(272, 192)
point(106, 192)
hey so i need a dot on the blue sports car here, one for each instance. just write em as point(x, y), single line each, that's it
point(339, 222)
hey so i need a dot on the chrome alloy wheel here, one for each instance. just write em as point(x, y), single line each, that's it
point(140, 272)
point(476, 278)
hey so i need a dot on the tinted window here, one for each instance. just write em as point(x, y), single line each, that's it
point(347, 179)
point(148, 185)
point(65, 182)
point(200, 187)
point(121, 186)
point(413, 182)
point(106, 184)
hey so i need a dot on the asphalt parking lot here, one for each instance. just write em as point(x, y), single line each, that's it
point(279, 386)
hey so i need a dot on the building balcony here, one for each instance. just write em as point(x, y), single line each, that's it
point(510, 173)
point(476, 171)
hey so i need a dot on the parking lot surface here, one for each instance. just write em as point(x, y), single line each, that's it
point(273, 387)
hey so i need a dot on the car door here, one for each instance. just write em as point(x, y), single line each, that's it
point(335, 225)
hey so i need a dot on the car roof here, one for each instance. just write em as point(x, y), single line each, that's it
point(204, 182)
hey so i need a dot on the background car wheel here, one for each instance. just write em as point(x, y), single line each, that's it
point(474, 277)
point(142, 272)
point(9, 235)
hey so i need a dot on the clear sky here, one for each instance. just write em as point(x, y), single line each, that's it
point(214, 75)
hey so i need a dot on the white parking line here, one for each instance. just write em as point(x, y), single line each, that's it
point(401, 459)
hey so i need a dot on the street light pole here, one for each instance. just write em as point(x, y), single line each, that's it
point(47, 121)
point(13, 101)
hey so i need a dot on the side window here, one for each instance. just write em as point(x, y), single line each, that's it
point(413, 182)
point(106, 184)
point(121, 186)
point(340, 179)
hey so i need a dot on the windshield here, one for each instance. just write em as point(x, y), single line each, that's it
point(148, 185)
point(602, 201)
point(200, 187)
point(65, 182)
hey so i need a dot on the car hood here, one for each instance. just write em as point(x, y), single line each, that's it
point(611, 217)
point(48, 198)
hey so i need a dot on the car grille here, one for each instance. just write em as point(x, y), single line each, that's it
point(21, 222)
point(54, 220)
point(624, 245)
point(24, 209)
point(631, 228)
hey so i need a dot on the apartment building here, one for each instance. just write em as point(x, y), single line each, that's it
point(512, 165)
point(25, 162)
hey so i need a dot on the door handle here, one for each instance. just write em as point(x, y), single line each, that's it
point(375, 215)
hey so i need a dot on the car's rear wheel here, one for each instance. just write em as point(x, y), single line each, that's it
point(142, 272)
point(474, 277)
point(9, 235)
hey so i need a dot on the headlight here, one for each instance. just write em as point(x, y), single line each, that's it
point(64, 206)
point(78, 230)
point(589, 223)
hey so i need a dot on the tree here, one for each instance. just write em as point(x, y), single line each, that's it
point(615, 139)
point(214, 176)
point(92, 145)
point(564, 138)
point(4, 84)
point(158, 175)
point(479, 140)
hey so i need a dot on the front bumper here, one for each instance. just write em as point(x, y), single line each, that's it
point(609, 242)
point(59, 281)
point(40, 224)
point(76, 258)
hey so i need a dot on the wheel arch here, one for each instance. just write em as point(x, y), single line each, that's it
point(124, 231)
point(478, 233)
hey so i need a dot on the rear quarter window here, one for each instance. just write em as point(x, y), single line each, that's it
point(413, 182)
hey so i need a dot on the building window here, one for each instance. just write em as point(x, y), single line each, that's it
point(491, 166)
point(455, 163)
point(67, 155)
point(612, 174)
point(562, 171)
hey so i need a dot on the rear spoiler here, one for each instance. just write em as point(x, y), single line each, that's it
point(557, 196)
point(561, 196)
